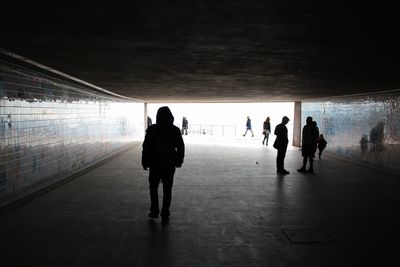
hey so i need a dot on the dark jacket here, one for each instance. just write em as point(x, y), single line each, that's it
point(248, 124)
point(322, 143)
point(163, 144)
point(281, 133)
point(267, 126)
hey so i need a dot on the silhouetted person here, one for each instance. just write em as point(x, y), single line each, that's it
point(364, 144)
point(376, 135)
point(9, 122)
point(21, 94)
point(321, 145)
point(185, 126)
point(163, 151)
point(309, 144)
point(266, 131)
point(248, 127)
point(281, 143)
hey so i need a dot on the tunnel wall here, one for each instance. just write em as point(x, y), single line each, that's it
point(365, 129)
point(51, 128)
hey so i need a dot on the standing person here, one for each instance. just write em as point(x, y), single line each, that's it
point(309, 144)
point(248, 127)
point(266, 131)
point(163, 151)
point(185, 124)
point(281, 143)
point(321, 145)
point(364, 144)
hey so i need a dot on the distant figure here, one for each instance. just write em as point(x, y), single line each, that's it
point(248, 127)
point(321, 145)
point(364, 144)
point(21, 94)
point(163, 151)
point(266, 131)
point(149, 122)
point(376, 135)
point(185, 125)
point(9, 121)
point(281, 143)
point(309, 144)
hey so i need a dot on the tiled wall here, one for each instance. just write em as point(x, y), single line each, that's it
point(50, 128)
point(348, 124)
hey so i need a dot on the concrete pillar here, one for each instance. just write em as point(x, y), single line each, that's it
point(297, 124)
point(145, 116)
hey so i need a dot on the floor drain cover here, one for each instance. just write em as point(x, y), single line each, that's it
point(308, 236)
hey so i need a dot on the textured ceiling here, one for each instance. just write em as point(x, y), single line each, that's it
point(206, 50)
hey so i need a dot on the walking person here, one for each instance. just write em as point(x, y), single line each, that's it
point(309, 145)
point(281, 143)
point(321, 145)
point(163, 151)
point(185, 125)
point(248, 127)
point(266, 131)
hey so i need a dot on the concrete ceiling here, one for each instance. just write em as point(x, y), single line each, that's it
point(209, 50)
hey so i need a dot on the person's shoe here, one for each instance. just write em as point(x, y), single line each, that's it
point(252, 136)
point(284, 172)
point(153, 215)
point(310, 170)
point(244, 135)
point(302, 169)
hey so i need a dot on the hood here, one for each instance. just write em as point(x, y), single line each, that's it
point(164, 116)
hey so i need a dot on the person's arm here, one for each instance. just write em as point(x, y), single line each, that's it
point(276, 132)
point(146, 150)
point(180, 149)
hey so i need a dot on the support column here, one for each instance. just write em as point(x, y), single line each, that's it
point(297, 124)
point(145, 117)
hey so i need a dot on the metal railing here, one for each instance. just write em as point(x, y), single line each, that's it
point(212, 129)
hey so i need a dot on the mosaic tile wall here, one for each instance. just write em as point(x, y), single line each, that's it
point(49, 129)
point(360, 128)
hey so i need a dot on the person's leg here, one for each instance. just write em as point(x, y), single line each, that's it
point(267, 137)
point(311, 169)
point(168, 180)
point(279, 161)
point(246, 131)
point(303, 168)
point(283, 160)
point(320, 153)
point(252, 134)
point(154, 181)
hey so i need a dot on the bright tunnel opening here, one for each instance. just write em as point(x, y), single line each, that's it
point(226, 122)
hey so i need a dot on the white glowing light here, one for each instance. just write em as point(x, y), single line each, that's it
point(229, 114)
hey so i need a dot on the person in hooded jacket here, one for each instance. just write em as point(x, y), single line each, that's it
point(163, 151)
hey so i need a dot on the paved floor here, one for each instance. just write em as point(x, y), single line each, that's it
point(227, 210)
